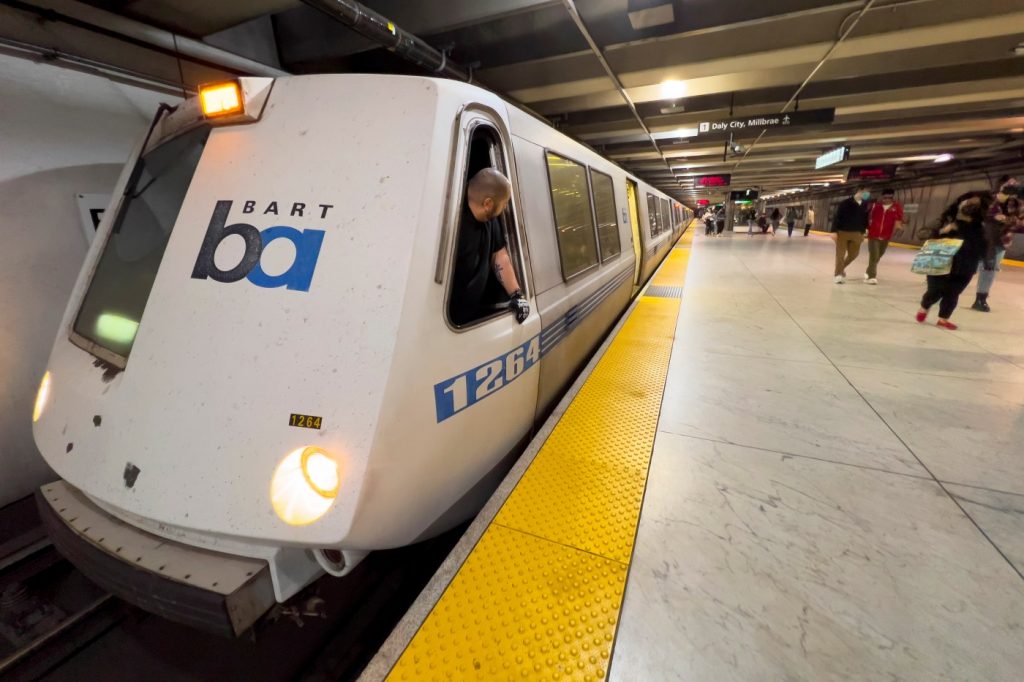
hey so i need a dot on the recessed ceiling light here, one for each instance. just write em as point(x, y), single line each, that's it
point(673, 89)
point(648, 13)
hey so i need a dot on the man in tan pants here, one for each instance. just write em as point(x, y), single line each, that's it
point(850, 224)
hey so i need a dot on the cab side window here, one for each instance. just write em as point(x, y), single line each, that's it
point(574, 219)
point(471, 267)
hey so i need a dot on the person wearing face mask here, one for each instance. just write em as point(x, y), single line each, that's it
point(969, 210)
point(1003, 220)
point(849, 225)
point(884, 218)
point(481, 249)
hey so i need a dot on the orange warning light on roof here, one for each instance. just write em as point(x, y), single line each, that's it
point(220, 99)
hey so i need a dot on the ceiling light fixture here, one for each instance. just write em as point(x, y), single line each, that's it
point(943, 158)
point(649, 13)
point(673, 89)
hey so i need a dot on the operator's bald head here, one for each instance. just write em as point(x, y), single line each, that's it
point(489, 184)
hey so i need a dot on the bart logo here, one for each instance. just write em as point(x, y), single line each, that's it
point(298, 277)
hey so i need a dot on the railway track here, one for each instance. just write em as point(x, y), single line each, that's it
point(56, 625)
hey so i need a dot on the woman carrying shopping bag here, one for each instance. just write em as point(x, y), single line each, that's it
point(966, 224)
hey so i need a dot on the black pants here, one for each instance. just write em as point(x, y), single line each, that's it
point(807, 229)
point(789, 228)
point(946, 290)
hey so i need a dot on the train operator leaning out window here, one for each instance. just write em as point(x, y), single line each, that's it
point(481, 248)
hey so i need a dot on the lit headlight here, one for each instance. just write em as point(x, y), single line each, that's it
point(304, 486)
point(42, 397)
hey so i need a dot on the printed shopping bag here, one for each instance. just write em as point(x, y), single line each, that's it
point(936, 257)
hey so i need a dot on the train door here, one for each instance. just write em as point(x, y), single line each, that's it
point(634, 221)
point(487, 355)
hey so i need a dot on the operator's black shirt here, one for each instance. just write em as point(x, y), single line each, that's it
point(477, 243)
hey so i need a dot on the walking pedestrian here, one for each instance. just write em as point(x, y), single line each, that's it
point(790, 220)
point(849, 225)
point(775, 217)
point(884, 218)
point(1003, 220)
point(970, 211)
point(808, 220)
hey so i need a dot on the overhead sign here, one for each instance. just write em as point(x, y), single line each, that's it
point(722, 180)
point(755, 124)
point(829, 158)
point(703, 202)
point(880, 172)
point(743, 195)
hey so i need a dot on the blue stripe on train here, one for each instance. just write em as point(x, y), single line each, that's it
point(461, 391)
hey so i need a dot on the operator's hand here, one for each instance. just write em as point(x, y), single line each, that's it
point(948, 228)
point(519, 306)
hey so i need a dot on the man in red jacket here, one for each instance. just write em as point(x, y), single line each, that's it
point(885, 217)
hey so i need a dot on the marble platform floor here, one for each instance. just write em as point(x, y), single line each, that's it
point(836, 491)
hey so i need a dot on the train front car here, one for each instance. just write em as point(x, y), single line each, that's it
point(214, 395)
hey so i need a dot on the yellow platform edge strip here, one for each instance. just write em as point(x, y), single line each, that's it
point(540, 593)
point(900, 245)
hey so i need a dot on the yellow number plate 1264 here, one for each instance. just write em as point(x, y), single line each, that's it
point(306, 421)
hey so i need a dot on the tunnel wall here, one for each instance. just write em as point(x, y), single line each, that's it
point(931, 196)
point(62, 133)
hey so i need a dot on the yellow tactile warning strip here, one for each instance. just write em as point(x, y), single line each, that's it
point(1006, 261)
point(540, 593)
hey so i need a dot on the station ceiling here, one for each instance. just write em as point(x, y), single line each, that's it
point(909, 79)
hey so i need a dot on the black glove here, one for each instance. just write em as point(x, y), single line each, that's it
point(519, 306)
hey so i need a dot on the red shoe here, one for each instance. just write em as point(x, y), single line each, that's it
point(921, 315)
point(945, 324)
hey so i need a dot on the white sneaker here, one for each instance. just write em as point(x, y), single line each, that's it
point(838, 279)
point(871, 280)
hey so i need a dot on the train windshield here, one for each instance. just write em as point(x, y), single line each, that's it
point(112, 308)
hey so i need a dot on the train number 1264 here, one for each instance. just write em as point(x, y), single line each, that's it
point(452, 396)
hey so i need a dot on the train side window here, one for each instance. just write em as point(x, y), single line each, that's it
point(652, 214)
point(607, 219)
point(485, 151)
point(574, 218)
point(663, 214)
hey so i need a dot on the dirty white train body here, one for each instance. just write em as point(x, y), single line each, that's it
point(295, 384)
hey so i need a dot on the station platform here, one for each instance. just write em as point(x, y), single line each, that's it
point(761, 475)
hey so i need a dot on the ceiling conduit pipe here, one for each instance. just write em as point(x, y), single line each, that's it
point(114, 26)
point(845, 32)
point(570, 7)
point(382, 30)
